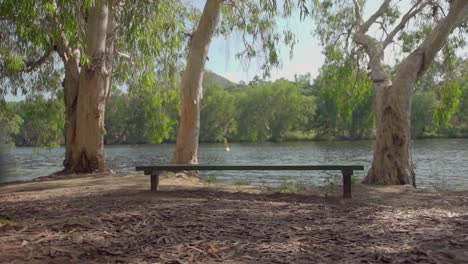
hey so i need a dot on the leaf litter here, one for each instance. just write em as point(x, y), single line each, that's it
point(117, 220)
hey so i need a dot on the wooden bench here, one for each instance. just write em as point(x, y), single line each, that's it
point(155, 171)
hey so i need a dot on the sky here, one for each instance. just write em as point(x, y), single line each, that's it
point(307, 56)
point(307, 53)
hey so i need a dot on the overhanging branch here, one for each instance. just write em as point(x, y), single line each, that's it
point(33, 65)
point(365, 27)
point(424, 55)
point(357, 12)
point(412, 12)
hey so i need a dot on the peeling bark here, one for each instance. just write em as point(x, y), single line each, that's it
point(71, 83)
point(186, 150)
point(392, 162)
point(87, 152)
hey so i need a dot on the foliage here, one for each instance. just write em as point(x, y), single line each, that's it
point(289, 188)
point(43, 121)
point(295, 110)
point(449, 99)
point(241, 182)
point(267, 111)
point(147, 38)
point(211, 179)
point(10, 124)
point(330, 185)
point(218, 114)
point(422, 113)
point(462, 114)
point(257, 22)
point(344, 105)
point(137, 119)
point(153, 38)
point(19, 39)
point(160, 113)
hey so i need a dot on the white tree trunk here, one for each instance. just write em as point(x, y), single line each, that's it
point(71, 84)
point(392, 163)
point(186, 150)
point(87, 154)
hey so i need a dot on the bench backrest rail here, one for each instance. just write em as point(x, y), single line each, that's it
point(149, 169)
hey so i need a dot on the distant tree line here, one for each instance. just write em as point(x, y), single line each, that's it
point(337, 105)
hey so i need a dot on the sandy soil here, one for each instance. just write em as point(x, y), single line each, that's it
point(116, 219)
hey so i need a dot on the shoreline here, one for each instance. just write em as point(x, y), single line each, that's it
point(293, 140)
point(287, 183)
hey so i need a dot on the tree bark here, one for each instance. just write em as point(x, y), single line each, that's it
point(87, 152)
point(186, 150)
point(392, 163)
point(71, 83)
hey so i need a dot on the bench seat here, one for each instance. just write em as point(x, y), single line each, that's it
point(155, 171)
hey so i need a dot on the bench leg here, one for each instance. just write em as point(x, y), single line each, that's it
point(155, 181)
point(347, 183)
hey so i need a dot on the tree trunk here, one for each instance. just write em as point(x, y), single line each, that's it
point(71, 83)
point(392, 162)
point(186, 150)
point(87, 153)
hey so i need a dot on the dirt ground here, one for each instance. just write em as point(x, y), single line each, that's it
point(116, 219)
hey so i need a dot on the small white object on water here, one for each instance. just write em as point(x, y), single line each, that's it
point(226, 145)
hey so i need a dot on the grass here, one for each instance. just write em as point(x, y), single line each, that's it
point(330, 185)
point(211, 179)
point(291, 187)
point(241, 182)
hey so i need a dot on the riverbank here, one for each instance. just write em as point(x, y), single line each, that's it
point(289, 137)
point(114, 218)
point(439, 163)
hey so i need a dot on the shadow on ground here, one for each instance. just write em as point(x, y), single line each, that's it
point(117, 220)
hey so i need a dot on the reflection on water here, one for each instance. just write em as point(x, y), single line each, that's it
point(438, 162)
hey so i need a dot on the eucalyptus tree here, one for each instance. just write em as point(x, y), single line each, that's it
point(97, 41)
point(256, 21)
point(424, 28)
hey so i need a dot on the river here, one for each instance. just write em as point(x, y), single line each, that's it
point(439, 162)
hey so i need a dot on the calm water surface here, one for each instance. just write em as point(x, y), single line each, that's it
point(439, 162)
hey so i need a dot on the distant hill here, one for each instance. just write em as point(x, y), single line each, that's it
point(211, 77)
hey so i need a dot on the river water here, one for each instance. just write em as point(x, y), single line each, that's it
point(439, 162)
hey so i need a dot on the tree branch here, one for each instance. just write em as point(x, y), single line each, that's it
point(365, 27)
point(124, 55)
point(357, 13)
point(33, 65)
point(382, 26)
point(412, 12)
point(424, 55)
